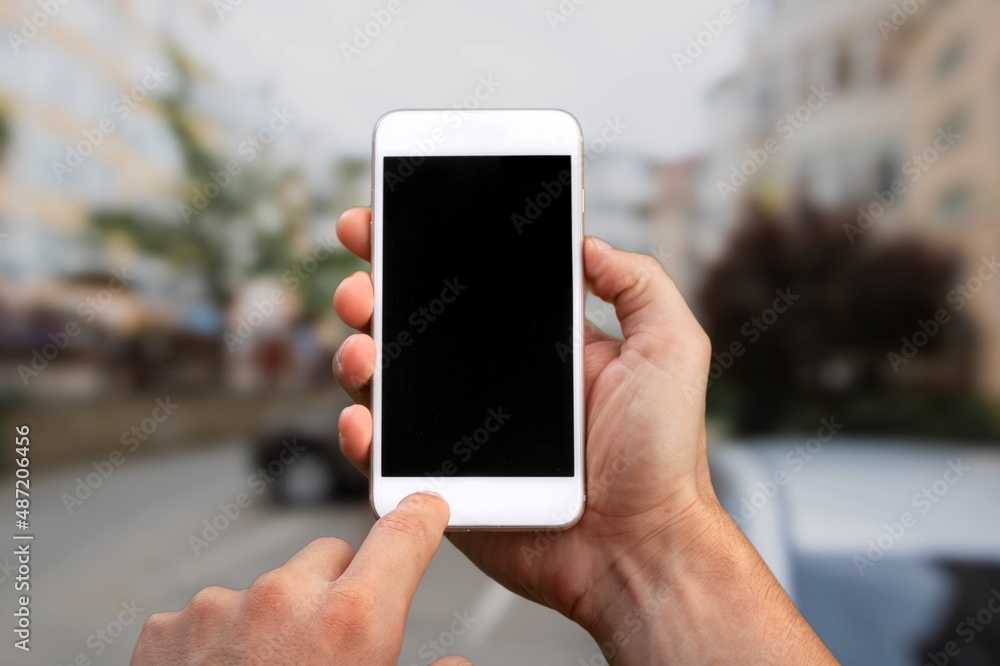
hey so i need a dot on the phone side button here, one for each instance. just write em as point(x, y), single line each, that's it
point(583, 200)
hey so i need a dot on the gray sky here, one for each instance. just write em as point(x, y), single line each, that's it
point(606, 59)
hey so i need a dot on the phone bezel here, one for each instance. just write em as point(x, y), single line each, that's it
point(484, 502)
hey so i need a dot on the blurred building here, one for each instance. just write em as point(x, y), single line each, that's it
point(107, 110)
point(952, 79)
point(672, 210)
point(838, 103)
point(85, 135)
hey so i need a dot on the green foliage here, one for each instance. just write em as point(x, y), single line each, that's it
point(204, 242)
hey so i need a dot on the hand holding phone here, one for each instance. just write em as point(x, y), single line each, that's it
point(646, 468)
point(655, 569)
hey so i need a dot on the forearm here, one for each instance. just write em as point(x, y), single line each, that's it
point(699, 596)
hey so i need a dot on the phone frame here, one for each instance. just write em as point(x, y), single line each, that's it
point(487, 503)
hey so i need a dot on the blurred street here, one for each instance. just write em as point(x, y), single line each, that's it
point(132, 535)
point(818, 178)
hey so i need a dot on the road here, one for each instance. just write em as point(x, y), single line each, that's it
point(127, 546)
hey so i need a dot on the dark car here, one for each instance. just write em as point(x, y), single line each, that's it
point(318, 471)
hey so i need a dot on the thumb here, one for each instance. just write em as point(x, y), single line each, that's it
point(397, 552)
point(651, 310)
point(452, 660)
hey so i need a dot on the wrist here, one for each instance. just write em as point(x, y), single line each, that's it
point(642, 576)
point(695, 590)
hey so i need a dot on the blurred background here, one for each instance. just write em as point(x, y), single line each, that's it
point(821, 179)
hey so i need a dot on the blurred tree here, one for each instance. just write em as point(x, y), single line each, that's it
point(827, 353)
point(317, 291)
point(233, 237)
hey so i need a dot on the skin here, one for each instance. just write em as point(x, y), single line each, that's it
point(655, 570)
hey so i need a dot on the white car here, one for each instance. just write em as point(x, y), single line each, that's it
point(891, 549)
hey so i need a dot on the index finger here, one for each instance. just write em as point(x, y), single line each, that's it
point(354, 231)
point(397, 552)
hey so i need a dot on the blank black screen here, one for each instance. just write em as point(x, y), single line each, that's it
point(477, 316)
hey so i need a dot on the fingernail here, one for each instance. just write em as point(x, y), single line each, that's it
point(336, 358)
point(599, 243)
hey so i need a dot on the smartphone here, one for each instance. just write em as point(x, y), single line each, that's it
point(477, 393)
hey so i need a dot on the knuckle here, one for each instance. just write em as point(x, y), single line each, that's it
point(648, 269)
point(646, 272)
point(650, 265)
point(206, 601)
point(155, 626)
point(352, 612)
point(272, 588)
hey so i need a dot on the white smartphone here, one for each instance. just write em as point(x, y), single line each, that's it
point(477, 394)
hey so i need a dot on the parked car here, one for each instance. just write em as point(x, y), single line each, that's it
point(887, 547)
point(316, 474)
